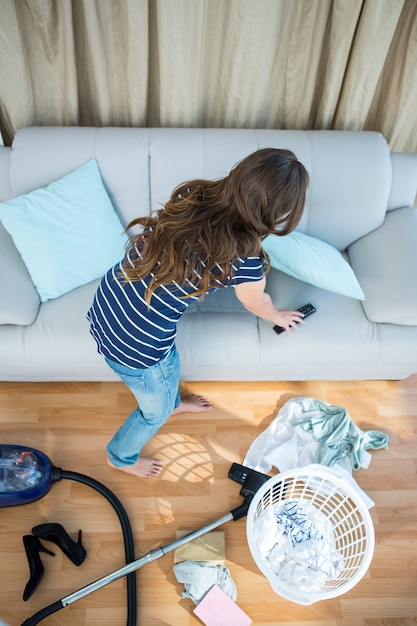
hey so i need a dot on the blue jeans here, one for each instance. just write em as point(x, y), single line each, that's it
point(156, 389)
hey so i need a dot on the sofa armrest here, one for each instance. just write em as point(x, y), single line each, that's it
point(5, 188)
point(404, 180)
point(385, 263)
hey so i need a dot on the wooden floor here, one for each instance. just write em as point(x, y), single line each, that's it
point(72, 422)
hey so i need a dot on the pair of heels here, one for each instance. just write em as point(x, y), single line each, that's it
point(54, 533)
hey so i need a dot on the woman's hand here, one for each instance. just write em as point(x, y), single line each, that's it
point(255, 300)
point(288, 319)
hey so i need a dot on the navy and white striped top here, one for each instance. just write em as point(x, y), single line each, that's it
point(136, 335)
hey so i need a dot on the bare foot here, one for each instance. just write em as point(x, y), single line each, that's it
point(193, 404)
point(143, 468)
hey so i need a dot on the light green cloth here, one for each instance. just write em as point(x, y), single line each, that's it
point(336, 433)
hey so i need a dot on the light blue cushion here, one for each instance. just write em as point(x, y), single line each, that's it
point(67, 233)
point(312, 261)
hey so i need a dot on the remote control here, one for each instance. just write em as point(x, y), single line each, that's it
point(307, 309)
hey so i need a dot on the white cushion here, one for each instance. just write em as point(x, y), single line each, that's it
point(68, 233)
point(312, 261)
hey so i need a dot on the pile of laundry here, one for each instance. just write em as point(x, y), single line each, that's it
point(295, 538)
point(307, 430)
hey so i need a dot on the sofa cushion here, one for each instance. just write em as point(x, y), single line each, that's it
point(349, 185)
point(67, 233)
point(220, 301)
point(19, 300)
point(385, 263)
point(312, 261)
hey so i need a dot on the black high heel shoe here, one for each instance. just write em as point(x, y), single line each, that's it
point(57, 534)
point(32, 547)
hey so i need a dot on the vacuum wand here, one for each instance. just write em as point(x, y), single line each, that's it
point(153, 555)
point(250, 480)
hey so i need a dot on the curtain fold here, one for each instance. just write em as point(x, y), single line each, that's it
point(370, 47)
point(303, 64)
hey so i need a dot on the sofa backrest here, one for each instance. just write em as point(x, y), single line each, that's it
point(41, 155)
point(350, 171)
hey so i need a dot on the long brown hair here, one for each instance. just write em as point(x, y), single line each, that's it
point(212, 223)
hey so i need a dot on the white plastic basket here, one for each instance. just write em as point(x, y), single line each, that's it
point(339, 502)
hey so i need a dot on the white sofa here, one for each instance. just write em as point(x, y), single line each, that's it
point(360, 201)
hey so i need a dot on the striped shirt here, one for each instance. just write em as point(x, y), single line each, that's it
point(136, 335)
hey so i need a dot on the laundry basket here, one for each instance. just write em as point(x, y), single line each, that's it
point(325, 501)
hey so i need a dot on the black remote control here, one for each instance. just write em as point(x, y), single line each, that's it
point(307, 309)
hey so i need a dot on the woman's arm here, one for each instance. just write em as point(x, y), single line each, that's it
point(253, 297)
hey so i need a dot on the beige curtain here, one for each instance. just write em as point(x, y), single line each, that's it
point(304, 64)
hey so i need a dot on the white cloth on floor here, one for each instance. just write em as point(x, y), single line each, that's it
point(200, 576)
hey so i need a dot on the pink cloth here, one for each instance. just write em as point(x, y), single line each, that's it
point(217, 609)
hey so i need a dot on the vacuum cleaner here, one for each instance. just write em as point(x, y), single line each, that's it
point(26, 475)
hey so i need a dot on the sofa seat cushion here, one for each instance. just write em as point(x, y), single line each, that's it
point(19, 300)
point(385, 263)
point(68, 233)
point(61, 335)
point(221, 342)
point(220, 301)
point(338, 333)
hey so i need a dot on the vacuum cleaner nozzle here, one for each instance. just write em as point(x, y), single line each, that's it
point(251, 481)
point(25, 475)
point(248, 477)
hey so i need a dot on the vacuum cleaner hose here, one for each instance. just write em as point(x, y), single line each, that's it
point(58, 474)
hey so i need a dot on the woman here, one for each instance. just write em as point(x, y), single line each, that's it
point(208, 236)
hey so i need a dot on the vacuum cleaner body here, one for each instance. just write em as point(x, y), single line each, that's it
point(25, 475)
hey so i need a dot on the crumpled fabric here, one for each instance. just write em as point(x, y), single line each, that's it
point(200, 576)
point(297, 525)
point(306, 431)
point(299, 545)
point(337, 435)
